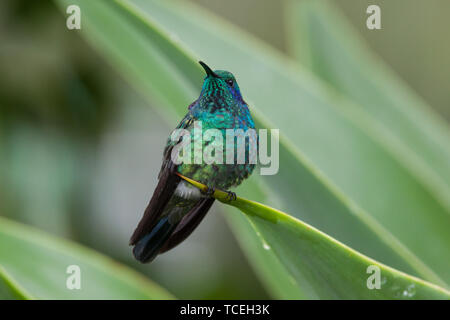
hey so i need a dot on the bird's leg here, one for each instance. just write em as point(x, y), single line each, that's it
point(231, 196)
point(209, 191)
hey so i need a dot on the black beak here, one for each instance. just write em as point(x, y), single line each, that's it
point(208, 70)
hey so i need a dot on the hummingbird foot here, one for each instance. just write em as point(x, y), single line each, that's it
point(231, 196)
point(209, 192)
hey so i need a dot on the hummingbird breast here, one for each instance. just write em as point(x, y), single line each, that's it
point(223, 174)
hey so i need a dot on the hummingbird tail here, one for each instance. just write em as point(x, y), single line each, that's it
point(147, 248)
point(167, 234)
point(188, 224)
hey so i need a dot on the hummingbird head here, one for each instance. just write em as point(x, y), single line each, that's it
point(220, 84)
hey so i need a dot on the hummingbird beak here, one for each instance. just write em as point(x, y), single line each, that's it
point(208, 70)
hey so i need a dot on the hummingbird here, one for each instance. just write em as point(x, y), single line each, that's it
point(177, 207)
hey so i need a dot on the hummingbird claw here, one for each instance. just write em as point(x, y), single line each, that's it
point(231, 196)
point(209, 192)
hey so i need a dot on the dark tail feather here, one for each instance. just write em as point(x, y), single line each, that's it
point(147, 248)
point(188, 224)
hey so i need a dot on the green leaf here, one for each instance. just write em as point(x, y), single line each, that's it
point(9, 289)
point(153, 43)
point(396, 117)
point(327, 44)
point(33, 265)
point(329, 269)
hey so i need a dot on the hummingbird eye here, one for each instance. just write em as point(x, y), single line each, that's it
point(230, 82)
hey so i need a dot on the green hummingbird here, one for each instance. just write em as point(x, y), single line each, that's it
point(177, 207)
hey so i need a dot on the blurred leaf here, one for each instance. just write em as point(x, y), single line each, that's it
point(9, 289)
point(42, 185)
point(142, 40)
point(408, 128)
point(33, 265)
point(391, 113)
point(322, 266)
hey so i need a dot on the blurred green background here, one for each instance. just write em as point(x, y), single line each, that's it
point(76, 141)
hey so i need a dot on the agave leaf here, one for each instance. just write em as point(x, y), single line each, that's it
point(33, 265)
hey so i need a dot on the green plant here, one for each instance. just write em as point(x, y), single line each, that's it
point(33, 265)
point(328, 133)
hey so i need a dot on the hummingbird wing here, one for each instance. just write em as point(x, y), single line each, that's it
point(168, 182)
